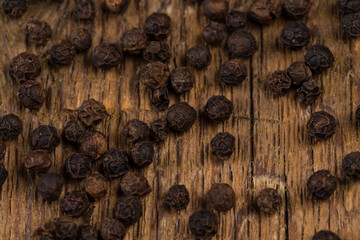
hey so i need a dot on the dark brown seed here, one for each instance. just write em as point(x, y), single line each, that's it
point(177, 197)
point(181, 117)
point(350, 24)
point(93, 144)
point(309, 92)
point(214, 34)
point(159, 129)
point(357, 114)
point(216, 10)
point(279, 82)
point(157, 26)
point(84, 10)
point(160, 98)
point(136, 130)
point(241, 44)
point(319, 58)
point(321, 126)
point(2, 149)
point(235, 20)
point(38, 161)
point(297, 9)
point(233, 72)
point(106, 55)
point(3, 174)
point(157, 51)
point(116, 5)
point(325, 235)
point(142, 154)
point(91, 112)
point(61, 228)
point(78, 166)
point(81, 39)
point(133, 41)
point(182, 79)
point(25, 66)
point(45, 137)
point(223, 145)
point(10, 127)
point(268, 200)
point(299, 73)
point(295, 35)
point(128, 210)
point(31, 95)
point(74, 203)
point(50, 186)
point(37, 32)
point(62, 53)
point(155, 75)
point(134, 184)
point(264, 11)
point(96, 186)
point(73, 131)
point(218, 108)
point(203, 224)
point(351, 165)
point(221, 197)
point(14, 8)
point(86, 232)
point(115, 163)
point(112, 229)
point(348, 6)
point(321, 185)
point(198, 57)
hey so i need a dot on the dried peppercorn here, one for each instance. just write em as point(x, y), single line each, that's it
point(74, 131)
point(158, 26)
point(181, 116)
point(2, 149)
point(142, 154)
point(350, 24)
point(59, 228)
point(106, 55)
point(235, 20)
point(3, 174)
point(44, 137)
point(233, 72)
point(309, 92)
point(268, 200)
point(134, 184)
point(198, 57)
point(321, 125)
point(38, 161)
point(50, 186)
point(348, 6)
point(86, 232)
point(319, 58)
point(160, 98)
point(31, 95)
point(177, 197)
point(75, 203)
point(325, 235)
point(93, 144)
point(264, 11)
point(157, 51)
point(295, 35)
point(203, 224)
point(62, 53)
point(14, 8)
point(321, 185)
point(133, 41)
point(10, 127)
point(214, 33)
point(357, 114)
point(116, 5)
point(155, 75)
point(299, 73)
point(115, 163)
point(136, 130)
point(78, 166)
point(216, 10)
point(218, 108)
point(241, 44)
point(223, 145)
point(221, 197)
point(297, 9)
point(351, 165)
point(182, 79)
point(25, 66)
point(96, 186)
point(112, 229)
point(81, 39)
point(84, 10)
point(91, 112)
point(37, 32)
point(128, 210)
point(279, 82)
point(159, 129)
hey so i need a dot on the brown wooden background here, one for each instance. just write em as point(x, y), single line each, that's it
point(272, 145)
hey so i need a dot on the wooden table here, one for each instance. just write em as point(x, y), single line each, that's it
point(272, 146)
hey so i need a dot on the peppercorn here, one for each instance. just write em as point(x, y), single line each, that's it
point(74, 203)
point(136, 130)
point(223, 145)
point(78, 166)
point(321, 125)
point(325, 235)
point(155, 75)
point(350, 25)
point(106, 55)
point(116, 5)
point(134, 184)
point(160, 98)
point(241, 44)
point(182, 79)
point(159, 129)
point(309, 92)
point(62, 53)
point(91, 112)
point(81, 39)
point(37, 32)
point(297, 9)
point(177, 197)
point(214, 34)
point(235, 20)
point(25, 66)
point(268, 200)
point(50, 186)
point(203, 224)
point(216, 10)
point(31, 95)
point(351, 165)
point(2, 149)
point(96, 186)
point(157, 26)
point(38, 161)
point(181, 117)
point(198, 57)
point(218, 108)
point(133, 41)
point(142, 154)
point(10, 127)
point(112, 229)
point(319, 58)
point(233, 72)
point(14, 8)
point(3, 174)
point(157, 51)
point(128, 210)
point(44, 137)
point(299, 73)
point(60, 228)
point(84, 10)
point(86, 232)
point(348, 6)
point(74, 131)
point(295, 35)
point(357, 114)
point(264, 11)
point(115, 163)
point(93, 144)
point(221, 197)
point(321, 185)
point(279, 82)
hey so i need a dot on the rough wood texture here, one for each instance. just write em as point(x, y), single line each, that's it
point(272, 145)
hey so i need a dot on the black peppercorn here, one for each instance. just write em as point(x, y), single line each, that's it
point(75, 203)
point(142, 154)
point(160, 98)
point(203, 224)
point(321, 126)
point(177, 197)
point(50, 186)
point(37, 32)
point(214, 33)
point(233, 72)
point(106, 55)
point(357, 114)
point(91, 112)
point(14, 8)
point(93, 144)
point(309, 92)
point(181, 117)
point(81, 39)
point(159, 130)
point(25, 66)
point(86, 232)
point(295, 35)
point(319, 58)
point(155, 75)
point(325, 235)
point(218, 108)
point(235, 20)
point(60, 228)
point(3, 174)
point(133, 41)
point(348, 6)
point(221, 197)
point(84, 10)
point(44, 137)
point(241, 44)
point(157, 26)
point(350, 24)
point(299, 73)
point(62, 53)
point(74, 131)
point(128, 210)
point(112, 229)
point(321, 185)
point(198, 57)
point(31, 95)
point(182, 79)
point(264, 11)
point(2, 149)
point(115, 163)
point(297, 9)
point(136, 130)
point(116, 5)
point(96, 186)
point(216, 10)
point(10, 127)
point(78, 166)
point(157, 51)
point(38, 161)
point(351, 165)
point(268, 200)
point(134, 184)
point(223, 145)
point(279, 82)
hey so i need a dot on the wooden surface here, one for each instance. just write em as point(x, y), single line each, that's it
point(272, 147)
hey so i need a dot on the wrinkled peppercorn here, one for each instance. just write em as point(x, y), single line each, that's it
point(299, 73)
point(321, 185)
point(235, 20)
point(75, 203)
point(106, 55)
point(86, 232)
point(297, 9)
point(198, 57)
point(78, 166)
point(241, 44)
point(218, 108)
point(264, 11)
point(31, 95)
point(182, 79)
point(177, 197)
point(38, 161)
point(62, 53)
point(93, 144)
point(157, 26)
point(350, 24)
point(203, 224)
point(3, 174)
point(91, 112)
point(348, 6)
point(321, 125)
point(81, 39)
point(14, 8)
point(325, 235)
point(155, 75)
point(60, 228)
point(10, 127)
point(25, 66)
point(50, 186)
point(279, 82)
point(233, 72)
point(2, 149)
point(157, 51)
point(309, 92)
point(134, 184)
point(295, 35)
point(319, 58)
point(74, 131)
point(116, 5)
point(84, 10)
point(44, 137)
point(115, 163)
point(214, 33)
point(160, 98)
point(351, 165)
point(268, 200)
point(159, 129)
point(216, 10)
point(223, 145)
point(37, 32)
point(128, 210)
point(136, 130)
point(96, 186)
point(357, 114)
point(112, 229)
point(142, 154)
point(133, 41)
point(221, 197)
point(181, 116)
